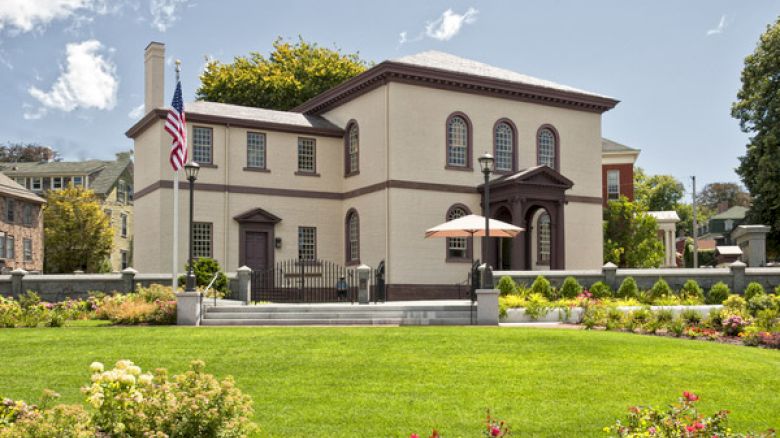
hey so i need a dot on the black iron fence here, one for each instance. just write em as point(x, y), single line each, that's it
point(314, 281)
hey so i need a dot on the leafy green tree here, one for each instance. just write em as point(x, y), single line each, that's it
point(77, 234)
point(758, 110)
point(631, 236)
point(715, 193)
point(685, 212)
point(291, 75)
point(27, 153)
point(657, 192)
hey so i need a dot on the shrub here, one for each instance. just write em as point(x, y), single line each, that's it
point(127, 403)
point(677, 327)
point(765, 319)
point(735, 304)
point(734, 324)
point(507, 285)
point(660, 289)
point(614, 319)
point(628, 289)
point(760, 302)
point(156, 292)
point(570, 288)
point(537, 306)
point(718, 293)
point(600, 290)
point(135, 309)
point(542, 286)
point(204, 269)
point(690, 317)
point(753, 289)
point(29, 299)
point(692, 291)
point(678, 420)
point(638, 318)
point(664, 317)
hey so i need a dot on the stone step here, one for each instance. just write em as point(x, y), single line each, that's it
point(331, 321)
point(303, 308)
point(336, 315)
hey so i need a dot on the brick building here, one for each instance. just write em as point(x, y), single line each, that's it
point(21, 227)
point(617, 170)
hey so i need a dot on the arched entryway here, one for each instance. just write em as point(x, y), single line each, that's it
point(539, 245)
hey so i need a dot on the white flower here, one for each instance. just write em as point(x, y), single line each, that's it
point(134, 370)
point(96, 367)
point(145, 379)
point(128, 379)
point(122, 364)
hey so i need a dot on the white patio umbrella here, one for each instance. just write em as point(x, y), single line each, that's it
point(473, 225)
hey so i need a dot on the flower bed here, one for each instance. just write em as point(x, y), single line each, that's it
point(155, 304)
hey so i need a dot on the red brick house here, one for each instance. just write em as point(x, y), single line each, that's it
point(21, 227)
point(617, 170)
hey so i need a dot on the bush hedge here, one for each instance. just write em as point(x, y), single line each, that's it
point(628, 289)
point(600, 290)
point(718, 293)
point(570, 288)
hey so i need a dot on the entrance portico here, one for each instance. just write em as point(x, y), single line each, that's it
point(533, 199)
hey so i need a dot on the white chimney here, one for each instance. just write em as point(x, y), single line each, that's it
point(154, 76)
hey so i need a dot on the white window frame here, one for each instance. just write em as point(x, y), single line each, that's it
point(256, 151)
point(307, 244)
point(10, 247)
point(27, 249)
point(60, 180)
point(80, 181)
point(307, 154)
point(36, 181)
point(123, 224)
point(613, 187)
point(200, 150)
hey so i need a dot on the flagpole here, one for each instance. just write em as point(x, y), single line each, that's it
point(175, 267)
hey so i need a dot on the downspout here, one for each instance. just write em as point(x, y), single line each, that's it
point(387, 188)
point(226, 226)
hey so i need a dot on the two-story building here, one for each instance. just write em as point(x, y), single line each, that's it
point(617, 170)
point(358, 173)
point(21, 227)
point(112, 182)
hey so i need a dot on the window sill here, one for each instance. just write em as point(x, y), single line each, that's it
point(461, 168)
point(458, 260)
point(347, 175)
point(208, 165)
point(299, 173)
point(257, 169)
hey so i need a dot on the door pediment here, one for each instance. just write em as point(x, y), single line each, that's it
point(257, 216)
point(542, 176)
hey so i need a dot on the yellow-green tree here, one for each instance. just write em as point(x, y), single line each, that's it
point(291, 75)
point(77, 234)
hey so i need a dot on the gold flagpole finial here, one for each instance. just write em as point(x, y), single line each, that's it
point(178, 69)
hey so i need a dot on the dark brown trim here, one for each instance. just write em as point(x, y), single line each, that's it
point(513, 127)
point(265, 151)
point(161, 113)
point(347, 243)
point(469, 240)
point(312, 172)
point(257, 169)
point(410, 292)
point(445, 79)
point(348, 170)
point(312, 194)
point(469, 142)
point(299, 173)
point(557, 145)
point(583, 199)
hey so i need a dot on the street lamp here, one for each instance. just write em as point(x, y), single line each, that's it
point(486, 163)
point(191, 171)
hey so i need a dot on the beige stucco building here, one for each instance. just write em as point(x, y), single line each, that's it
point(357, 174)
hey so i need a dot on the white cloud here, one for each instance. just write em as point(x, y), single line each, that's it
point(164, 13)
point(28, 15)
point(136, 112)
point(449, 24)
point(89, 80)
point(720, 28)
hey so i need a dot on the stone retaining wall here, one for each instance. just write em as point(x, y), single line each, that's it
point(574, 315)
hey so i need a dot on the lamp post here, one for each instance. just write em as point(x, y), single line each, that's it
point(486, 163)
point(191, 170)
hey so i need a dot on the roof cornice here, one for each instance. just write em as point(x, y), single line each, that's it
point(195, 117)
point(390, 71)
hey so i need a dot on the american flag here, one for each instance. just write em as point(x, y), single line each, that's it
point(176, 125)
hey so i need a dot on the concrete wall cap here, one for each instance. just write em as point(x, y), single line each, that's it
point(609, 265)
point(244, 269)
point(737, 264)
point(129, 271)
point(364, 268)
point(18, 271)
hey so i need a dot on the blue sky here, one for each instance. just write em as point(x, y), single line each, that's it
point(73, 69)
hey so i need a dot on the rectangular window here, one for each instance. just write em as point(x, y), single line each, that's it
point(28, 216)
point(124, 225)
point(307, 155)
point(202, 142)
point(2, 246)
point(56, 182)
point(613, 184)
point(78, 181)
point(121, 191)
point(124, 260)
point(456, 247)
point(10, 247)
point(27, 247)
point(22, 181)
point(201, 239)
point(10, 213)
point(307, 243)
point(37, 184)
point(255, 150)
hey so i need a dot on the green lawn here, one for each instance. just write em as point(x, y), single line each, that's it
point(380, 382)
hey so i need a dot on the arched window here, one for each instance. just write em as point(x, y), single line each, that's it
point(504, 146)
point(352, 234)
point(458, 248)
point(547, 148)
point(458, 141)
point(352, 149)
point(543, 239)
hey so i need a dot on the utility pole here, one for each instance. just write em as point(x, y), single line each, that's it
point(695, 228)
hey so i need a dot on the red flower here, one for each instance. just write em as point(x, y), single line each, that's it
point(414, 435)
point(495, 431)
point(691, 397)
point(690, 428)
point(698, 426)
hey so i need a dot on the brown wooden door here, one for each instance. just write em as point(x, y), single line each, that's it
point(256, 245)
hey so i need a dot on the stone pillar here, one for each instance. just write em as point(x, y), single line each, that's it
point(364, 272)
point(610, 275)
point(188, 308)
point(17, 288)
point(751, 239)
point(244, 275)
point(128, 279)
point(738, 277)
point(487, 306)
point(485, 276)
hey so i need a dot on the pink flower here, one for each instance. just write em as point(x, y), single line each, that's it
point(690, 428)
point(495, 431)
point(698, 425)
point(651, 430)
point(691, 397)
point(414, 435)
